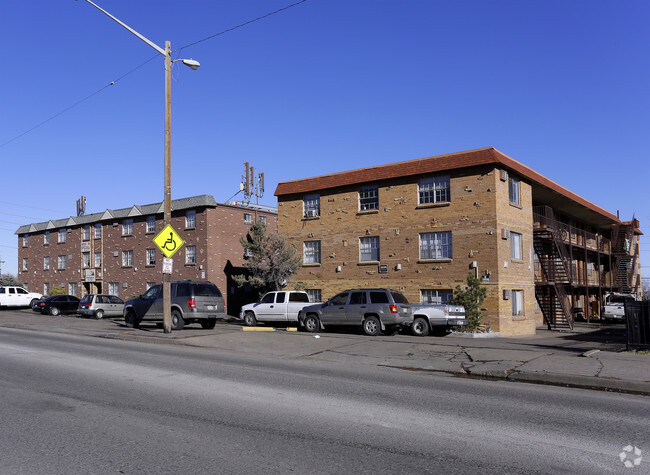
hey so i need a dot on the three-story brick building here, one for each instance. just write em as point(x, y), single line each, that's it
point(420, 226)
point(113, 252)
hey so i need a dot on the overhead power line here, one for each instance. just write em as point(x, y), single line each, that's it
point(77, 103)
point(240, 25)
point(150, 59)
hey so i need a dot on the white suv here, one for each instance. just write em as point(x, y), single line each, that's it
point(17, 297)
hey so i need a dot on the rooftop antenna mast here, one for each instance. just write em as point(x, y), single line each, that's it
point(81, 206)
point(252, 185)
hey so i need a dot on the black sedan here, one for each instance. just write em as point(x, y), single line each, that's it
point(58, 304)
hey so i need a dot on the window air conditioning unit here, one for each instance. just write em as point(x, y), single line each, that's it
point(311, 213)
point(504, 175)
point(506, 294)
point(505, 233)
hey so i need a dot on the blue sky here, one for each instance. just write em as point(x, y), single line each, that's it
point(324, 86)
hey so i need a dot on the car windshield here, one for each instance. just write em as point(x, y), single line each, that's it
point(87, 298)
point(206, 289)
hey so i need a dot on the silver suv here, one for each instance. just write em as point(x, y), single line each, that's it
point(192, 301)
point(372, 309)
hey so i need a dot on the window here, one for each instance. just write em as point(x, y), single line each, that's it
point(85, 259)
point(311, 253)
point(85, 232)
point(314, 295)
point(25, 240)
point(358, 298)
point(46, 238)
point(378, 297)
point(517, 303)
point(62, 235)
point(127, 227)
point(98, 259)
point(190, 219)
point(114, 288)
point(46, 288)
point(435, 296)
point(127, 258)
point(435, 245)
point(151, 257)
point(513, 190)
point(72, 289)
point(369, 249)
point(298, 297)
point(248, 218)
point(434, 189)
point(516, 250)
point(190, 255)
point(98, 231)
point(151, 224)
point(311, 206)
point(46, 263)
point(340, 299)
point(25, 263)
point(263, 220)
point(369, 198)
point(62, 262)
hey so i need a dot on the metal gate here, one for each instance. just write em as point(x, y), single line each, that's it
point(637, 315)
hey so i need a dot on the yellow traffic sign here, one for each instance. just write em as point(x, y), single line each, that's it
point(168, 241)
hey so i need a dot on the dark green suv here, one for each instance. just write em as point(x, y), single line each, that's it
point(191, 301)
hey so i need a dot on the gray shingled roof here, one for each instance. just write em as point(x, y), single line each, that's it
point(200, 201)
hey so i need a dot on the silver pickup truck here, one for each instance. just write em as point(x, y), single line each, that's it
point(437, 319)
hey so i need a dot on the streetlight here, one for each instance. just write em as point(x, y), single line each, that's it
point(167, 53)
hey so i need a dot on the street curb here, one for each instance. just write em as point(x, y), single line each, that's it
point(583, 382)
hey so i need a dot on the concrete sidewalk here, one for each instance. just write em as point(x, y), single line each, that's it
point(590, 357)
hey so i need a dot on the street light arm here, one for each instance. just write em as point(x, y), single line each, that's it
point(150, 43)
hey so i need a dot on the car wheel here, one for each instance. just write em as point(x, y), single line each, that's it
point(99, 314)
point(177, 320)
point(54, 311)
point(209, 324)
point(371, 326)
point(312, 323)
point(131, 320)
point(420, 327)
point(249, 319)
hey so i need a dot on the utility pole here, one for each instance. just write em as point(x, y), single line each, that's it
point(192, 64)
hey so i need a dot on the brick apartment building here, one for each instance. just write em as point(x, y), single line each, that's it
point(542, 252)
point(113, 252)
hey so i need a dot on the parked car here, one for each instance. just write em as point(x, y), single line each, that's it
point(438, 319)
point(375, 310)
point(614, 305)
point(100, 305)
point(191, 301)
point(13, 296)
point(58, 304)
point(279, 306)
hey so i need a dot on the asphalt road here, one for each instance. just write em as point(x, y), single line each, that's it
point(74, 404)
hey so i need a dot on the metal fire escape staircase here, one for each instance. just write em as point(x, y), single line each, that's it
point(556, 270)
point(625, 262)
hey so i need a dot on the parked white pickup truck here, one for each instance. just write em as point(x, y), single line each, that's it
point(614, 308)
point(11, 296)
point(279, 306)
point(437, 319)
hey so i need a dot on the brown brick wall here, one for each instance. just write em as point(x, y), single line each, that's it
point(216, 237)
point(478, 208)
